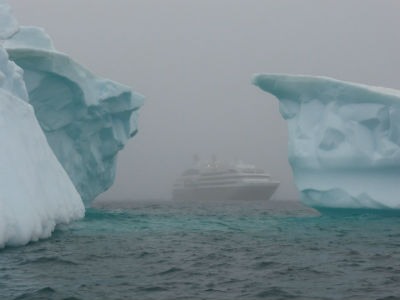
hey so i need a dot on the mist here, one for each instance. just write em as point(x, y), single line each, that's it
point(193, 61)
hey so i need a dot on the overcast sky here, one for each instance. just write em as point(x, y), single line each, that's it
point(193, 61)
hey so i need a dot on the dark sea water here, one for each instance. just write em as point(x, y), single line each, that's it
point(212, 250)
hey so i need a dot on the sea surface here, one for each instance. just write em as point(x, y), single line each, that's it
point(163, 249)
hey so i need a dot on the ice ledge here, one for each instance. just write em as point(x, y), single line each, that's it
point(30, 37)
point(300, 87)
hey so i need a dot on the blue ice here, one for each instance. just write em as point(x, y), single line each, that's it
point(344, 139)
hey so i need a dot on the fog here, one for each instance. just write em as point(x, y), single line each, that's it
point(193, 61)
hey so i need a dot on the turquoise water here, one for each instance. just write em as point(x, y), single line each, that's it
point(216, 250)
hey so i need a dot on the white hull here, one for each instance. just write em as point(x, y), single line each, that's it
point(239, 192)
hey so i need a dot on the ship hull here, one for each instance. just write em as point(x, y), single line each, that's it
point(243, 192)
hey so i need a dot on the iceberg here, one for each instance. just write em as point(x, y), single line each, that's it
point(86, 119)
point(344, 139)
point(61, 128)
point(35, 191)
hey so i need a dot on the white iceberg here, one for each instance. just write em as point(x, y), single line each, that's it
point(35, 191)
point(344, 139)
point(61, 128)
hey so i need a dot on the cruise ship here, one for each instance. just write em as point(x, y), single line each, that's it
point(219, 181)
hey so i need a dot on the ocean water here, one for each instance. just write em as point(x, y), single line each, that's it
point(210, 250)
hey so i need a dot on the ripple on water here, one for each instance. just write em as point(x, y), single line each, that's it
point(221, 251)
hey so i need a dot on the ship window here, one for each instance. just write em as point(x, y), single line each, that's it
point(191, 172)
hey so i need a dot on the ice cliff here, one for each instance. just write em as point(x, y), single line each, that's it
point(61, 128)
point(86, 119)
point(344, 139)
point(35, 191)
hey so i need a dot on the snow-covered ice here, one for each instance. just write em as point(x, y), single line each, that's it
point(8, 23)
point(344, 139)
point(35, 191)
